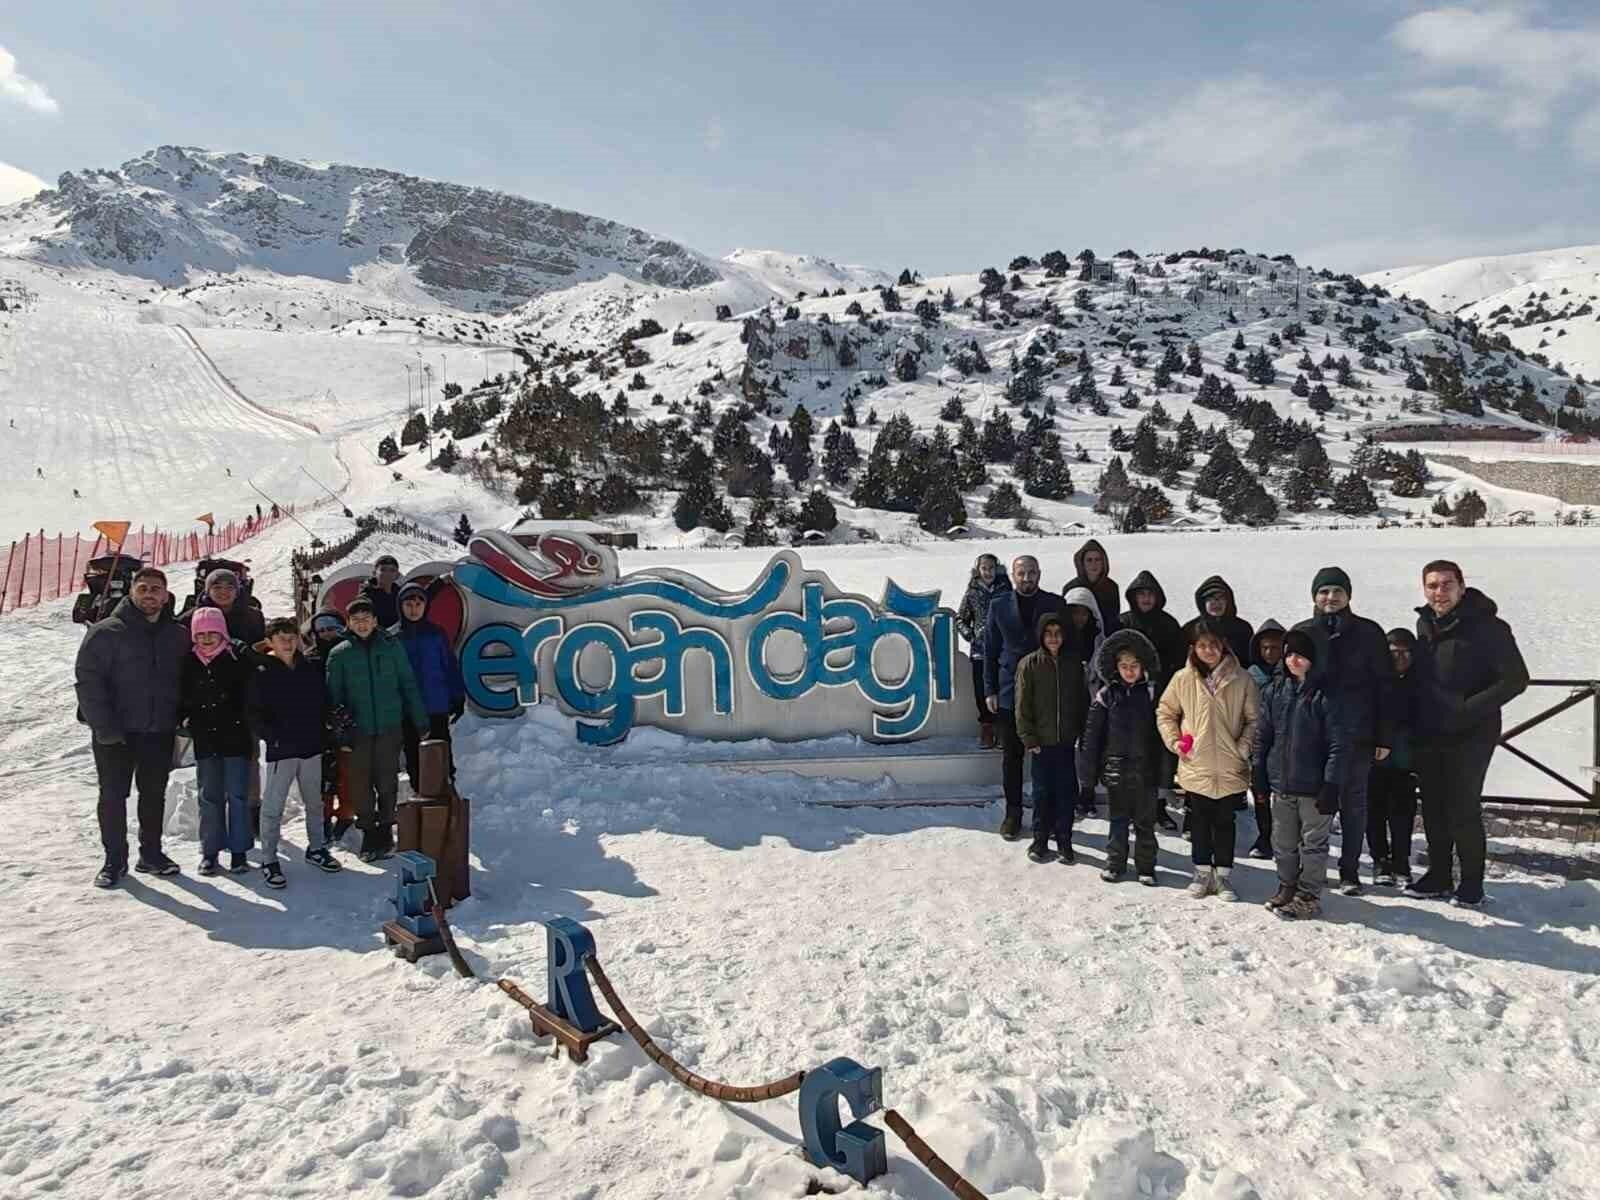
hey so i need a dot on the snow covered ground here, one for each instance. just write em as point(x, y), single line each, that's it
point(1049, 1034)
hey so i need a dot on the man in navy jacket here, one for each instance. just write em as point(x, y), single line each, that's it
point(1011, 634)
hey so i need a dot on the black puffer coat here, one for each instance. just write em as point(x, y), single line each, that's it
point(1299, 744)
point(1160, 626)
point(1467, 667)
point(127, 673)
point(1237, 630)
point(213, 700)
point(1354, 670)
point(1122, 717)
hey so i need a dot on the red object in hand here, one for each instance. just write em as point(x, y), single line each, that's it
point(1186, 744)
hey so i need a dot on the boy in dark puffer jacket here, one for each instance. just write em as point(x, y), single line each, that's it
point(1300, 760)
point(1122, 747)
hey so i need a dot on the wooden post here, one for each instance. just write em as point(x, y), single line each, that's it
point(60, 546)
point(5, 586)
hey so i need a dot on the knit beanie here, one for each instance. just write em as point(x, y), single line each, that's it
point(409, 590)
point(1298, 641)
point(222, 575)
point(1331, 577)
point(208, 620)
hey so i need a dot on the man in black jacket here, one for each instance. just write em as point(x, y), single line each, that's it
point(1468, 667)
point(1010, 634)
point(1355, 673)
point(127, 684)
point(384, 591)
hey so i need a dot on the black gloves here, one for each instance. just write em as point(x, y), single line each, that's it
point(1328, 799)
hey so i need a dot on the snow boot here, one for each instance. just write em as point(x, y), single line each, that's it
point(272, 874)
point(1040, 852)
point(155, 864)
point(1224, 884)
point(1282, 898)
point(1011, 826)
point(1304, 907)
point(1205, 882)
point(986, 738)
point(109, 876)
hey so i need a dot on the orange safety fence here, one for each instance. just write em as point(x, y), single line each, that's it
point(40, 568)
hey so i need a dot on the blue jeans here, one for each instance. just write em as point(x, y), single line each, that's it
point(224, 805)
point(1055, 794)
point(1353, 810)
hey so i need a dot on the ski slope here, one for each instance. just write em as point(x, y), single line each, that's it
point(133, 418)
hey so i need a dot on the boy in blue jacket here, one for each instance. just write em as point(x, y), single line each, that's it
point(1299, 760)
point(438, 672)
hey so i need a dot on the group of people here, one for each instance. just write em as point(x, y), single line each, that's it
point(265, 705)
point(1332, 718)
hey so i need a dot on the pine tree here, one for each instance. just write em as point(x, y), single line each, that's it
point(1300, 387)
point(415, 431)
point(463, 531)
point(530, 483)
point(1051, 479)
point(941, 508)
point(817, 513)
point(801, 426)
point(1353, 497)
point(448, 457)
point(1004, 501)
point(1194, 366)
point(1145, 455)
point(872, 489)
point(1135, 521)
point(799, 461)
point(1470, 508)
point(1441, 506)
point(950, 410)
point(1299, 492)
point(388, 451)
point(1408, 482)
point(1221, 469)
point(847, 415)
point(758, 529)
point(1238, 341)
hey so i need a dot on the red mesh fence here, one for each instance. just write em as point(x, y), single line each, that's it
point(40, 568)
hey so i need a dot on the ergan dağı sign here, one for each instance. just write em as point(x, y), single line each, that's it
point(790, 657)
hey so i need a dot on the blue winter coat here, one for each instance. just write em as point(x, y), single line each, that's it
point(435, 665)
point(1008, 639)
point(1299, 744)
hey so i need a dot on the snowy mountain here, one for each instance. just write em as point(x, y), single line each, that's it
point(1546, 302)
point(176, 214)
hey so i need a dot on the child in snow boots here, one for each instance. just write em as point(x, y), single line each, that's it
point(1207, 717)
point(1299, 761)
point(1121, 747)
point(1051, 704)
point(287, 700)
point(1392, 791)
point(213, 680)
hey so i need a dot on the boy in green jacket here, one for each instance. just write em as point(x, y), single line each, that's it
point(370, 676)
point(1052, 703)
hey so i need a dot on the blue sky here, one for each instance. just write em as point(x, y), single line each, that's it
point(1354, 134)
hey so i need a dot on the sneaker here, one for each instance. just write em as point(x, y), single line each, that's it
point(1066, 856)
point(208, 866)
point(1463, 901)
point(1011, 826)
point(1204, 883)
point(1350, 887)
point(1112, 874)
point(1304, 907)
point(1040, 854)
point(272, 874)
point(156, 864)
point(238, 864)
point(109, 876)
point(1430, 887)
point(1281, 898)
point(324, 860)
point(1148, 880)
point(1260, 852)
point(1223, 885)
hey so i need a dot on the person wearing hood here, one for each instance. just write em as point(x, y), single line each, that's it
point(438, 674)
point(1392, 792)
point(1084, 638)
point(1122, 747)
point(1266, 653)
point(987, 581)
point(1355, 673)
point(1207, 717)
point(1468, 667)
point(213, 686)
point(1147, 612)
point(1010, 634)
point(1093, 567)
point(1052, 702)
point(126, 677)
point(1299, 763)
point(369, 674)
point(1214, 600)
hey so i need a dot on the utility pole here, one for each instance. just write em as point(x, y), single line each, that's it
point(427, 380)
point(410, 407)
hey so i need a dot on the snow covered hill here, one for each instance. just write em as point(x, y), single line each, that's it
point(1546, 301)
point(175, 214)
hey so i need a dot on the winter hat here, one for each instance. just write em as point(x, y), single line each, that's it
point(1215, 588)
point(359, 605)
point(1402, 636)
point(1298, 641)
point(222, 575)
point(1082, 597)
point(412, 589)
point(208, 620)
point(1331, 577)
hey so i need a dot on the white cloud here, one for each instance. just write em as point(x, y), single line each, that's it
point(1243, 123)
point(17, 184)
point(1522, 73)
point(29, 93)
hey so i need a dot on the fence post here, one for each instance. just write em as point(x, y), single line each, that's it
point(1594, 764)
point(5, 585)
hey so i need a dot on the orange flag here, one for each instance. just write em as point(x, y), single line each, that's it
point(115, 532)
point(207, 519)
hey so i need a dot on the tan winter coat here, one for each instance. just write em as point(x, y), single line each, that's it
point(1223, 725)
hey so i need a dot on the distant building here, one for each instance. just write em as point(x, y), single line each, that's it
point(527, 532)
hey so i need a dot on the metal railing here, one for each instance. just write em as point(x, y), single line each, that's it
point(1589, 797)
